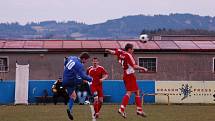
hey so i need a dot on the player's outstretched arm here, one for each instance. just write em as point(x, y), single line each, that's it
point(84, 76)
point(140, 67)
point(79, 68)
point(110, 51)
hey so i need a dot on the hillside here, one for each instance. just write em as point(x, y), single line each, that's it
point(125, 27)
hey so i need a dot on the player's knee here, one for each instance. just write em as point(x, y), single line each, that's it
point(79, 94)
point(128, 93)
point(84, 93)
point(95, 94)
point(96, 99)
point(137, 93)
point(101, 100)
point(73, 96)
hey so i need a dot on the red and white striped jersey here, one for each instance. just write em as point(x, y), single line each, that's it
point(126, 60)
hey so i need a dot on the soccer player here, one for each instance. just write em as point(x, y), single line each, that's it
point(129, 65)
point(74, 74)
point(98, 73)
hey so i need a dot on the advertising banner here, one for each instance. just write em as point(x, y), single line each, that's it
point(185, 91)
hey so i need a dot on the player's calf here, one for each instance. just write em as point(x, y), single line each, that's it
point(69, 114)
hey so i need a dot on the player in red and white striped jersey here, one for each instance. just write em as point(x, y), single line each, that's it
point(129, 65)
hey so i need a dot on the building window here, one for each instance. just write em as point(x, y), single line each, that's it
point(4, 64)
point(148, 62)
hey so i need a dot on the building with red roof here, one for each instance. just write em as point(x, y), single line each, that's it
point(181, 60)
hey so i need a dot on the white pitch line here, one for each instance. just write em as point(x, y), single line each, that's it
point(92, 111)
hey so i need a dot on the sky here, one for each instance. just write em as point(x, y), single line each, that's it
point(96, 11)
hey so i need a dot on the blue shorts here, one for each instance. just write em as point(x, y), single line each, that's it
point(70, 85)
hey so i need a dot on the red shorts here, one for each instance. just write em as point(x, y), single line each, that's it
point(130, 82)
point(98, 89)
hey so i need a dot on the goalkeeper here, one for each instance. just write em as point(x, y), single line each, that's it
point(59, 91)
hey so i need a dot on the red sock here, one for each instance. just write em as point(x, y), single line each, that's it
point(138, 103)
point(124, 102)
point(99, 105)
point(96, 106)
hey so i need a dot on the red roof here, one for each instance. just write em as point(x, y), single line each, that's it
point(167, 45)
point(186, 45)
point(33, 44)
point(101, 44)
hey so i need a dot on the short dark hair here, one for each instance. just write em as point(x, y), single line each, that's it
point(128, 46)
point(95, 58)
point(84, 55)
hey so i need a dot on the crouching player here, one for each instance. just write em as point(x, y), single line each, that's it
point(98, 73)
point(74, 74)
point(129, 65)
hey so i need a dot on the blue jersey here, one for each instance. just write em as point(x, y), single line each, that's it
point(74, 70)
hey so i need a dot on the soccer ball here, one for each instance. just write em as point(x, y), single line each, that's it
point(87, 102)
point(144, 38)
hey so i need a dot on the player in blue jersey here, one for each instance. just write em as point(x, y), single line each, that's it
point(74, 74)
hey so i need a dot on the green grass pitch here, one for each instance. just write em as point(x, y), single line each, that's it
point(108, 113)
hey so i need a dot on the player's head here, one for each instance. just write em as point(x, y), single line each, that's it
point(84, 56)
point(129, 47)
point(95, 61)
